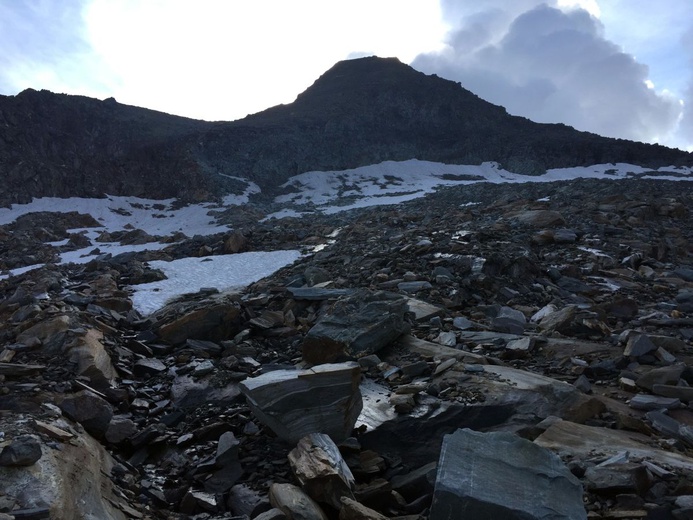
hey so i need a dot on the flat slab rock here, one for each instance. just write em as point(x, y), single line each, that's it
point(500, 475)
point(358, 325)
point(294, 403)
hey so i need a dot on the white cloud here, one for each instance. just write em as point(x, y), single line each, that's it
point(554, 65)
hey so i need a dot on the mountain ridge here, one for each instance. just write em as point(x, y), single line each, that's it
point(359, 112)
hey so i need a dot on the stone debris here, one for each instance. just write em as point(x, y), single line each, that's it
point(308, 394)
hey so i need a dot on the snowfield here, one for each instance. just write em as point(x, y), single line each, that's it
point(328, 192)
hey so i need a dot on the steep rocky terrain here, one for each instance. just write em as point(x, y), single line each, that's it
point(559, 312)
point(359, 112)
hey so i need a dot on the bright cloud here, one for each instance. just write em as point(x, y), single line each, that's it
point(552, 65)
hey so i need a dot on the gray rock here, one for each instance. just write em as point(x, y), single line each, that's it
point(90, 410)
point(660, 376)
point(149, 367)
point(413, 287)
point(22, 451)
point(653, 402)
point(618, 478)
point(317, 293)
point(638, 345)
point(358, 325)
point(462, 323)
point(120, 429)
point(499, 475)
point(294, 403)
point(683, 393)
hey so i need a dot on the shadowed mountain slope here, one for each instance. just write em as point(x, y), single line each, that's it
point(359, 112)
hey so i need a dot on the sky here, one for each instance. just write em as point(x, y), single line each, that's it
point(620, 68)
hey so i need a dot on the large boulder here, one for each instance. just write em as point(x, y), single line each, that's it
point(294, 403)
point(213, 322)
point(358, 325)
point(500, 475)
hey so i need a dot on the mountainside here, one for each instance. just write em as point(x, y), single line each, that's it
point(359, 112)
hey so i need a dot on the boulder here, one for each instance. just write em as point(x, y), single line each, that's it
point(501, 475)
point(92, 360)
point(357, 325)
point(213, 322)
point(51, 333)
point(294, 403)
point(321, 470)
point(90, 410)
point(22, 451)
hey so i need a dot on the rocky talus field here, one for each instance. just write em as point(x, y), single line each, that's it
point(488, 351)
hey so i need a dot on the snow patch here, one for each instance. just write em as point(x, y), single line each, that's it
point(224, 272)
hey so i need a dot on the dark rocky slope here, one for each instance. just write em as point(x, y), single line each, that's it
point(609, 262)
point(359, 112)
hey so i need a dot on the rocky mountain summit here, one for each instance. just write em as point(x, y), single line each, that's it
point(487, 351)
point(360, 112)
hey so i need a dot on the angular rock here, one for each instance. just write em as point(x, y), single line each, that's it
point(352, 510)
point(294, 403)
point(120, 429)
point(500, 475)
point(416, 483)
point(295, 503)
point(638, 345)
point(618, 478)
point(653, 402)
point(90, 410)
point(320, 469)
point(22, 451)
point(669, 375)
point(683, 393)
point(73, 481)
point(52, 334)
point(92, 359)
point(358, 325)
point(214, 322)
